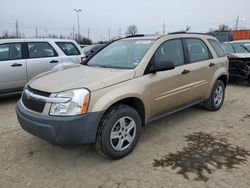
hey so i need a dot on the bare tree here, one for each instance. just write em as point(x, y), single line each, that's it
point(223, 27)
point(131, 30)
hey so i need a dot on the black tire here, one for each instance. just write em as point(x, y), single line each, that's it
point(210, 104)
point(111, 119)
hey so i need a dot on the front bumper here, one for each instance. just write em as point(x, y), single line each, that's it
point(72, 130)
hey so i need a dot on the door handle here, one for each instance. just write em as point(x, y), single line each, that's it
point(53, 61)
point(185, 71)
point(16, 65)
point(211, 64)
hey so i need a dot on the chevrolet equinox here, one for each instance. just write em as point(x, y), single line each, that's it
point(108, 98)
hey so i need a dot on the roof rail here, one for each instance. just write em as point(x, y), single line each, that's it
point(132, 36)
point(184, 32)
point(178, 32)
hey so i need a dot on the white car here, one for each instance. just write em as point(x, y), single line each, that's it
point(22, 59)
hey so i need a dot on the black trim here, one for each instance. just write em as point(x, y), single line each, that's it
point(185, 49)
point(174, 110)
point(25, 50)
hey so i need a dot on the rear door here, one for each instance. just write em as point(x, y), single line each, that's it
point(72, 54)
point(12, 66)
point(202, 67)
point(42, 57)
point(170, 89)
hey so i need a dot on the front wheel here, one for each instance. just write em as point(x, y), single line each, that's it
point(119, 132)
point(216, 98)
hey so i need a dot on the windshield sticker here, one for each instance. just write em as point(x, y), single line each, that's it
point(143, 42)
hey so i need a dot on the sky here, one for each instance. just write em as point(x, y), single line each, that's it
point(57, 16)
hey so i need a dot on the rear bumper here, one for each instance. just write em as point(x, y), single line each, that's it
point(73, 130)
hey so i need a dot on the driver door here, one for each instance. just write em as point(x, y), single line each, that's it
point(170, 89)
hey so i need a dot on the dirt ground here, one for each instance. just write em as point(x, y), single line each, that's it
point(193, 148)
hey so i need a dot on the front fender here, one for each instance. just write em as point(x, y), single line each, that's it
point(135, 88)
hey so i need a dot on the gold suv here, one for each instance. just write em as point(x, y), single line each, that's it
point(116, 91)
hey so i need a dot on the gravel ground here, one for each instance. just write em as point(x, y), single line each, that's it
point(192, 148)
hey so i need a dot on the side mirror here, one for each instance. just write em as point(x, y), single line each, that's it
point(162, 66)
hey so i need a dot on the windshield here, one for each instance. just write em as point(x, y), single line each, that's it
point(122, 54)
point(242, 47)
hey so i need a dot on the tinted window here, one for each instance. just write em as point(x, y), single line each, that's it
point(170, 51)
point(68, 48)
point(217, 47)
point(10, 51)
point(198, 50)
point(40, 50)
point(228, 48)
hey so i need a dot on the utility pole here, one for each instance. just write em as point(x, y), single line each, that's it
point(17, 32)
point(36, 33)
point(237, 22)
point(109, 33)
point(78, 23)
point(163, 28)
point(88, 32)
point(73, 32)
point(120, 32)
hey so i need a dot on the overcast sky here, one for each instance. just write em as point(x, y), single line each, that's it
point(58, 17)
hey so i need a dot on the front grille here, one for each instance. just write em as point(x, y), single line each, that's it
point(33, 104)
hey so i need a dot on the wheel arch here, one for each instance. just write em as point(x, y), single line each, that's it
point(133, 102)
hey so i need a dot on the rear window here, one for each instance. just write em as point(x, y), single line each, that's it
point(68, 48)
point(198, 51)
point(217, 47)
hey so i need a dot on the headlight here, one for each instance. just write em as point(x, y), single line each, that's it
point(78, 104)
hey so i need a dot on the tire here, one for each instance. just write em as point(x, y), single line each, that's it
point(216, 98)
point(121, 142)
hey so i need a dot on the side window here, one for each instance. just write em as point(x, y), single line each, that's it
point(11, 51)
point(171, 50)
point(40, 50)
point(198, 50)
point(217, 47)
point(68, 48)
point(228, 48)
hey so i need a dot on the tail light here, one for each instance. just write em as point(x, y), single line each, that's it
point(83, 59)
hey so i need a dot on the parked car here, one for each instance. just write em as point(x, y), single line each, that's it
point(83, 45)
point(129, 83)
point(22, 59)
point(89, 50)
point(238, 53)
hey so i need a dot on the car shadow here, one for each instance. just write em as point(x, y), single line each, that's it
point(9, 98)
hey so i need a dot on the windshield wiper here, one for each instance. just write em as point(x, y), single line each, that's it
point(245, 48)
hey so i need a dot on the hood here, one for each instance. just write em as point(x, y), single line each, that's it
point(79, 76)
point(238, 55)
